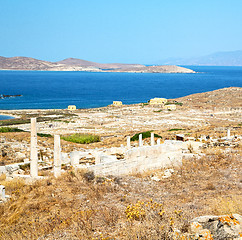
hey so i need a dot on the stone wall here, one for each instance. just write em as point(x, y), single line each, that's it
point(142, 159)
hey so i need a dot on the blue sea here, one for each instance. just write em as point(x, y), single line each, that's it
point(57, 90)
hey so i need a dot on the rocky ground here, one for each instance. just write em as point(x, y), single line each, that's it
point(204, 114)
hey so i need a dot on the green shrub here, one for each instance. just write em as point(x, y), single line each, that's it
point(81, 138)
point(144, 135)
point(14, 122)
point(176, 103)
point(25, 166)
point(44, 135)
point(175, 129)
point(9, 129)
point(158, 111)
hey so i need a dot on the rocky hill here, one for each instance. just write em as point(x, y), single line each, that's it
point(74, 64)
point(156, 69)
point(84, 63)
point(221, 98)
point(26, 63)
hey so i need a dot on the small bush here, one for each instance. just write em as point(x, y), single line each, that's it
point(89, 176)
point(176, 103)
point(25, 166)
point(81, 138)
point(158, 111)
point(144, 135)
point(44, 135)
point(9, 129)
point(175, 129)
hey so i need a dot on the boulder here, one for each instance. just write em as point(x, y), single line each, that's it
point(2, 170)
point(12, 168)
point(217, 227)
point(20, 156)
point(168, 173)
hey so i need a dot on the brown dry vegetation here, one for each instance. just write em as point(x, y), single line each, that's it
point(221, 98)
point(79, 205)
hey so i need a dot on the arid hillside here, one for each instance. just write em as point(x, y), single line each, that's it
point(73, 64)
point(221, 98)
point(84, 63)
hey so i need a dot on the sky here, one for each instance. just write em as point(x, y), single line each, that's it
point(127, 31)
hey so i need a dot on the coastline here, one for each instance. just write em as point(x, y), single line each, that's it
point(102, 71)
point(9, 112)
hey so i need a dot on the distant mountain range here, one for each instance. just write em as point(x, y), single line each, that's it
point(74, 64)
point(233, 58)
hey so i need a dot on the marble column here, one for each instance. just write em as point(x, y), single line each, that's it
point(228, 133)
point(57, 156)
point(158, 141)
point(152, 140)
point(33, 150)
point(97, 158)
point(128, 142)
point(140, 140)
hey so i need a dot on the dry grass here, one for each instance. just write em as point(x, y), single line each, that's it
point(79, 205)
point(2, 177)
point(227, 205)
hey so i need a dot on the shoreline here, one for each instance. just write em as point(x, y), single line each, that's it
point(103, 71)
point(8, 112)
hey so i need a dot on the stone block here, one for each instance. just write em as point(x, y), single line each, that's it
point(2, 170)
point(2, 192)
point(108, 158)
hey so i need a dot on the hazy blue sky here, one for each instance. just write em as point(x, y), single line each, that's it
point(131, 31)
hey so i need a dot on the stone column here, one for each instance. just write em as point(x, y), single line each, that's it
point(57, 156)
point(228, 133)
point(97, 158)
point(158, 141)
point(128, 142)
point(2, 192)
point(33, 150)
point(152, 140)
point(140, 140)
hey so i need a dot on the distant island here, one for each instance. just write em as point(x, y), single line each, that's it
point(231, 58)
point(74, 64)
point(2, 96)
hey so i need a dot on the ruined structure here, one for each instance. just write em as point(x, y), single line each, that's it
point(157, 101)
point(117, 103)
point(71, 107)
